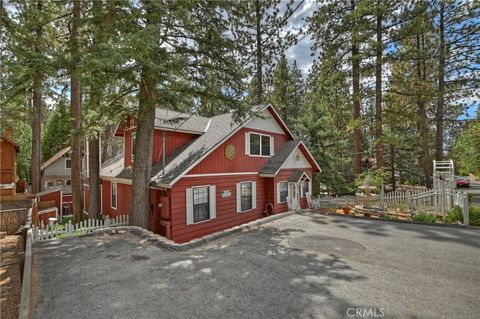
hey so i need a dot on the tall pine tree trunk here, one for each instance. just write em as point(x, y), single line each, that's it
point(357, 142)
point(422, 112)
point(441, 87)
point(378, 92)
point(37, 117)
point(75, 115)
point(94, 177)
point(94, 142)
point(258, 17)
point(142, 166)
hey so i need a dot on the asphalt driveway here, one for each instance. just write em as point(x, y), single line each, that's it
point(300, 266)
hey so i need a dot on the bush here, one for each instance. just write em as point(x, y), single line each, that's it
point(376, 177)
point(456, 215)
point(425, 218)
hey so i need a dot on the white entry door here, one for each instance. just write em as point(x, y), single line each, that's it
point(293, 195)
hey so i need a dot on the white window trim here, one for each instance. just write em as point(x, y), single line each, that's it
point(212, 209)
point(248, 151)
point(116, 195)
point(70, 159)
point(239, 197)
point(278, 192)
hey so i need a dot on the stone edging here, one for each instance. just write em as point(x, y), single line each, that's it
point(173, 246)
point(24, 311)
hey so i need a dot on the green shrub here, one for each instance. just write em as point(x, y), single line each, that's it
point(388, 217)
point(425, 218)
point(474, 213)
point(456, 215)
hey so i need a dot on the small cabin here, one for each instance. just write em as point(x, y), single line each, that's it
point(8, 160)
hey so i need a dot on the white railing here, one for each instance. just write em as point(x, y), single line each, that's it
point(87, 226)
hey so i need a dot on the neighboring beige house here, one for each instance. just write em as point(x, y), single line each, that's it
point(56, 171)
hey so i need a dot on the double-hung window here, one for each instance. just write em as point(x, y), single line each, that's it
point(246, 196)
point(282, 192)
point(259, 144)
point(201, 209)
point(200, 204)
point(114, 195)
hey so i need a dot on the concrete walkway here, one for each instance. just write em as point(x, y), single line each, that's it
point(300, 266)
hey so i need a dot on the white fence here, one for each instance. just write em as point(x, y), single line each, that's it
point(87, 226)
point(415, 201)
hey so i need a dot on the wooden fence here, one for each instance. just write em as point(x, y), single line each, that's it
point(87, 226)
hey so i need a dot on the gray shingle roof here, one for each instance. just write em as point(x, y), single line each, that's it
point(276, 161)
point(213, 132)
point(220, 127)
point(295, 177)
point(180, 121)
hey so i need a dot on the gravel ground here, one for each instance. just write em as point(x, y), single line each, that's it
point(300, 266)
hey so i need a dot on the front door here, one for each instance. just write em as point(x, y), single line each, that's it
point(293, 195)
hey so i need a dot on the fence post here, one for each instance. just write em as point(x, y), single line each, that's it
point(382, 198)
point(466, 219)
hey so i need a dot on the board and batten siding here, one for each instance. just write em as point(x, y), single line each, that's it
point(174, 140)
point(292, 161)
point(57, 168)
point(265, 123)
point(123, 199)
point(216, 162)
point(226, 214)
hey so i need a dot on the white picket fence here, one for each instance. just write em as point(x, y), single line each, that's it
point(418, 200)
point(87, 226)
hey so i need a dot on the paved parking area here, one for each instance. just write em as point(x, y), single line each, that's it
point(300, 266)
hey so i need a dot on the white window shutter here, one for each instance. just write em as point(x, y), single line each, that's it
point(189, 203)
point(247, 143)
point(254, 195)
point(278, 192)
point(213, 204)
point(272, 146)
point(239, 199)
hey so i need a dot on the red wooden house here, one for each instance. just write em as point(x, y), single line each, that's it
point(210, 174)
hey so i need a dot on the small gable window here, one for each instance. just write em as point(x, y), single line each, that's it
point(259, 144)
point(68, 162)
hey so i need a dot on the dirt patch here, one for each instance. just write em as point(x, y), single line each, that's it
point(10, 276)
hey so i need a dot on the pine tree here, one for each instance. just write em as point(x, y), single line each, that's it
point(174, 46)
point(26, 64)
point(261, 31)
point(458, 53)
point(76, 114)
point(339, 26)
